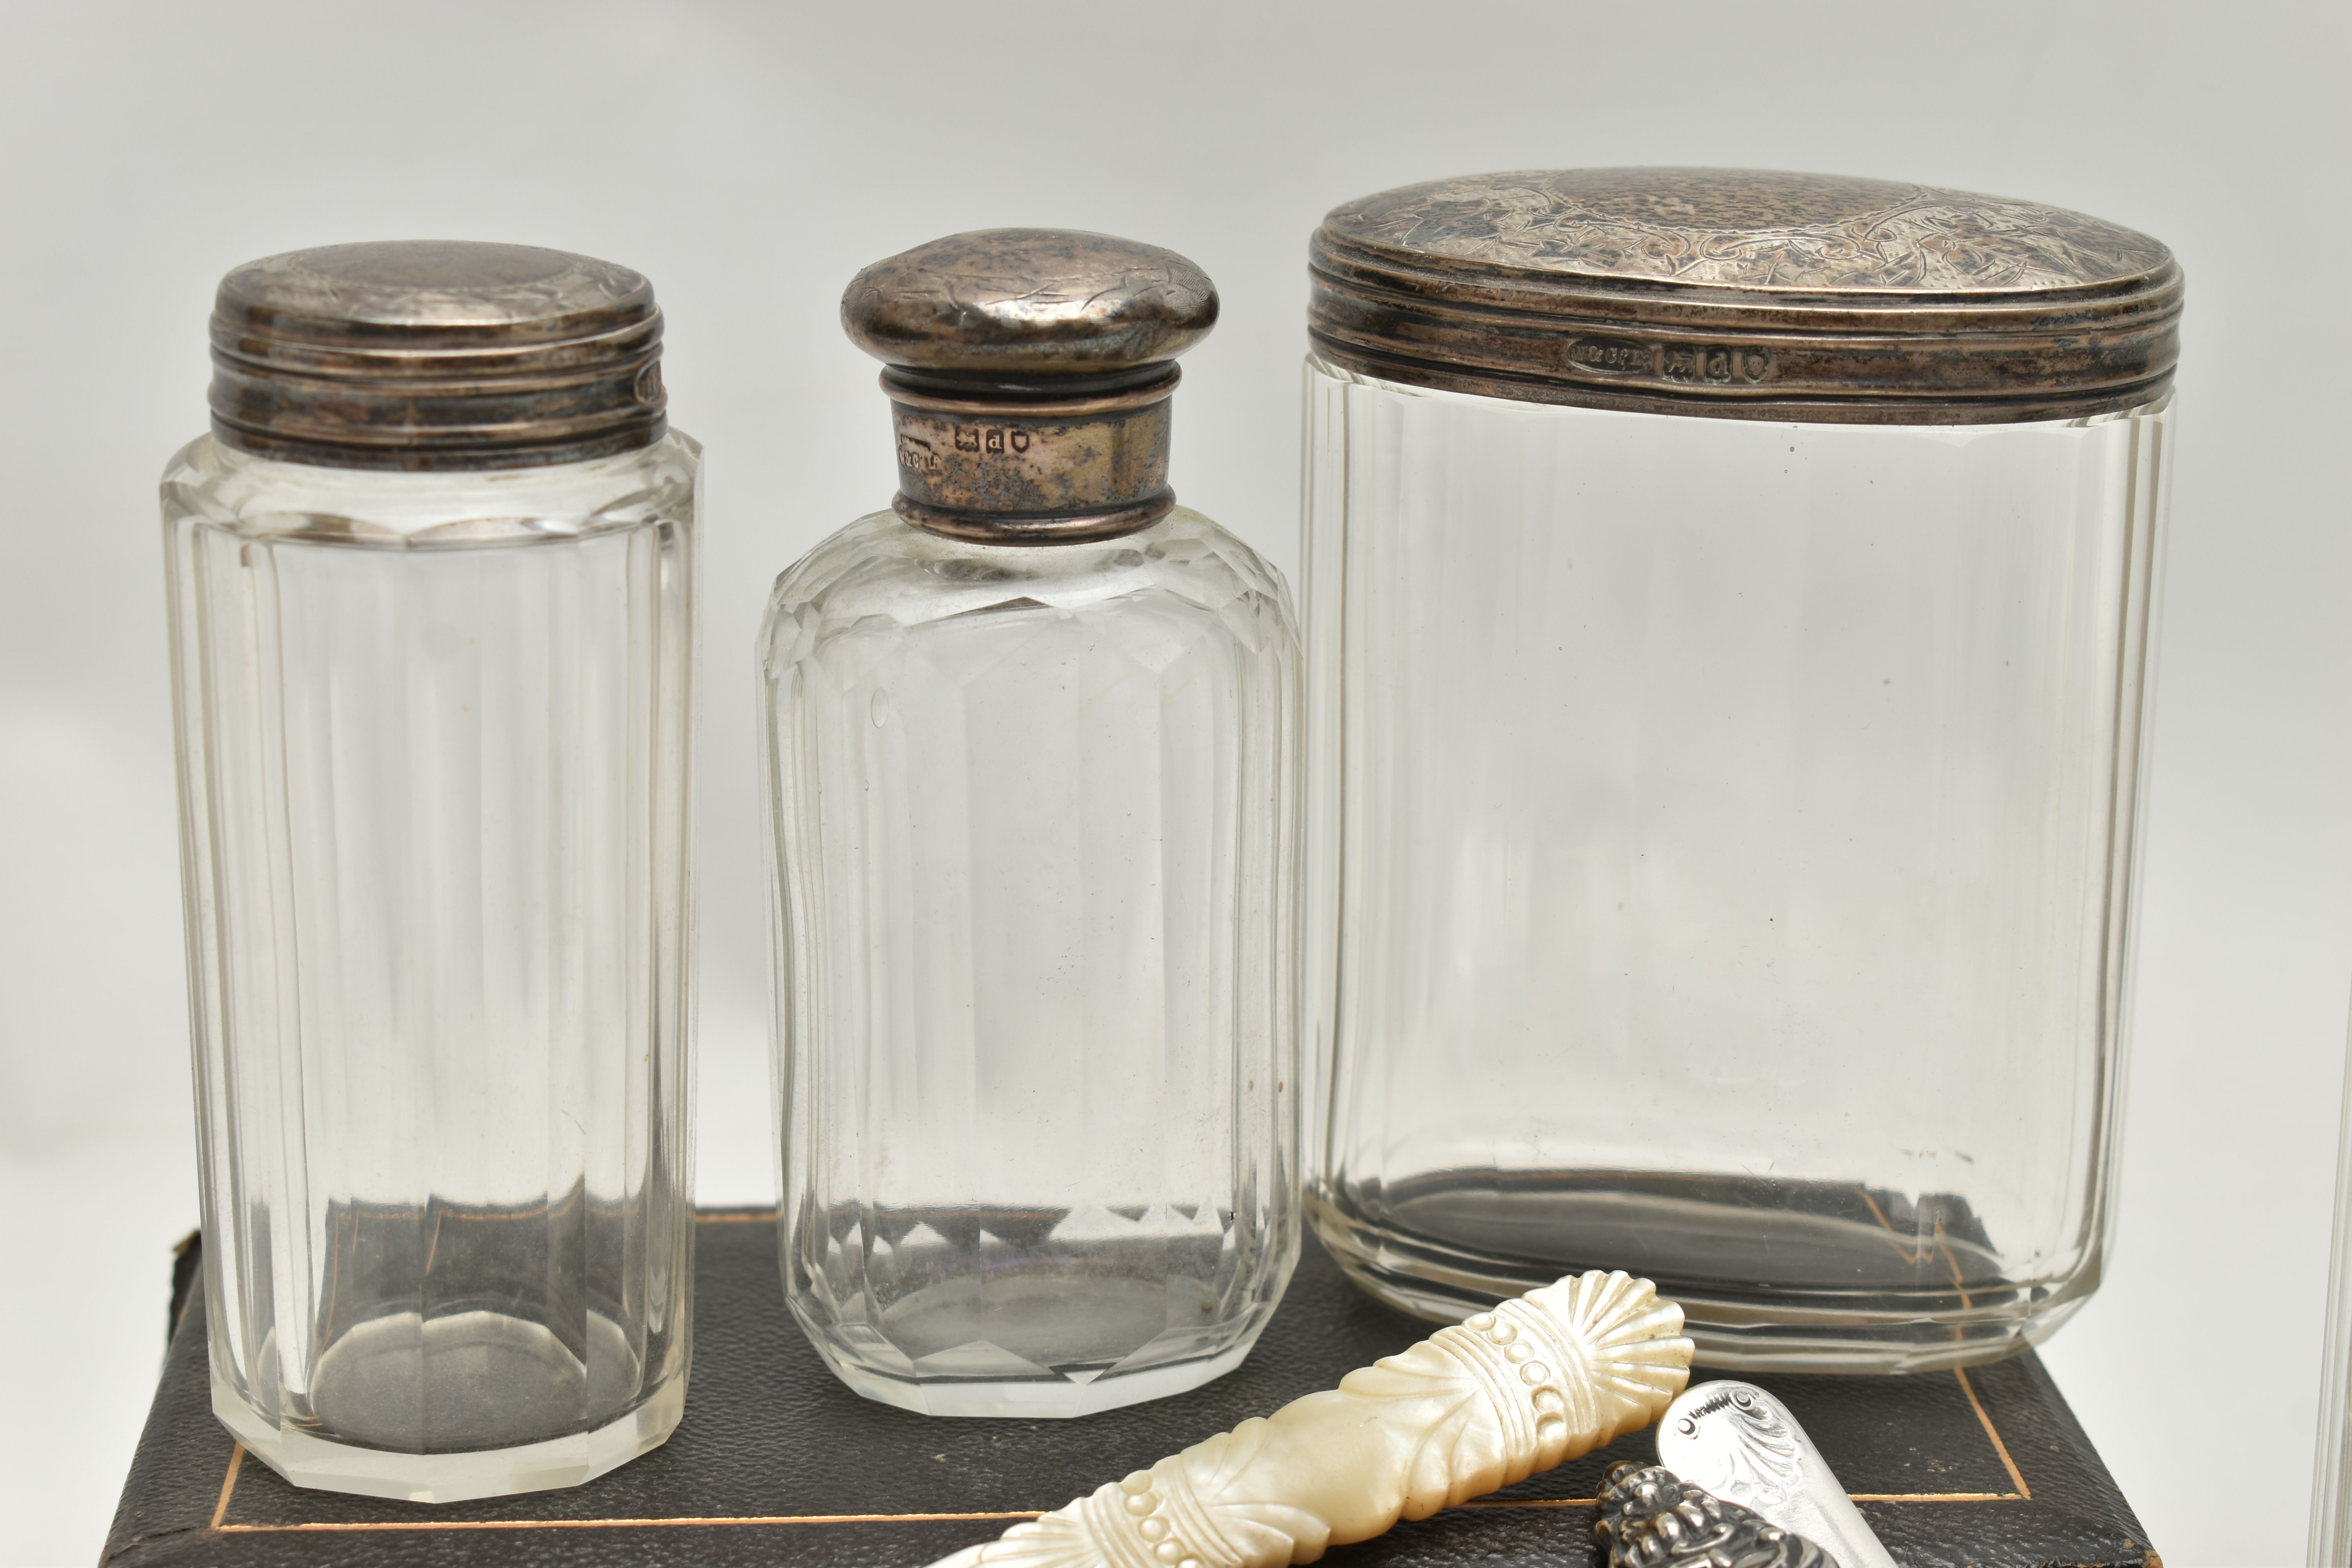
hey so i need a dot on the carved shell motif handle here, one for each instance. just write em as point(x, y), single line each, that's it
point(1538, 1381)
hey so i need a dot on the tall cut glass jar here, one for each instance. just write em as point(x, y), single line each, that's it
point(431, 594)
point(1031, 774)
point(1728, 602)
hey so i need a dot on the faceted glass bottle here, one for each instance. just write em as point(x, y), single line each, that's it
point(1033, 794)
point(435, 727)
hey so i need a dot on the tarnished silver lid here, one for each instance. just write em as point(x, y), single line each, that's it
point(1030, 373)
point(436, 354)
point(1753, 294)
point(1015, 303)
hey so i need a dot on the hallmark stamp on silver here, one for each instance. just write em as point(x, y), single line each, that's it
point(1616, 356)
point(1687, 361)
point(916, 455)
point(992, 438)
point(1669, 362)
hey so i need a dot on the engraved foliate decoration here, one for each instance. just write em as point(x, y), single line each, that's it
point(1540, 1380)
point(1741, 1443)
point(1747, 294)
point(1754, 229)
point(1652, 1518)
point(1030, 302)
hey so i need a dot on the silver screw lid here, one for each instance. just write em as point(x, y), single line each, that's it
point(436, 354)
point(1024, 304)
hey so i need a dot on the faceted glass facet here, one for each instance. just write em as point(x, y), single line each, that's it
point(1723, 843)
point(434, 766)
point(1033, 842)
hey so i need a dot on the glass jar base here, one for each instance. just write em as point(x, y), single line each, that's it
point(308, 1460)
point(1820, 1330)
point(1033, 1398)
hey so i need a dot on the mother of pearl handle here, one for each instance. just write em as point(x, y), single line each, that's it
point(1555, 1373)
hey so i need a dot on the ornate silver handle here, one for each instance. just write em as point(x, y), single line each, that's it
point(1742, 1444)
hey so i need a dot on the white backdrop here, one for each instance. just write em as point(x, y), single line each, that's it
point(750, 158)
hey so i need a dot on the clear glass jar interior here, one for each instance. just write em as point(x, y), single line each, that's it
point(1723, 838)
point(1033, 815)
point(435, 735)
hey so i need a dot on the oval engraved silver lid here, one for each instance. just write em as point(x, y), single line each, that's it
point(436, 354)
point(1747, 294)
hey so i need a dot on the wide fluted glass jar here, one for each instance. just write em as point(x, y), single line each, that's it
point(432, 592)
point(1029, 747)
point(1728, 600)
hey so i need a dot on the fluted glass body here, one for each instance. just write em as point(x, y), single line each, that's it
point(435, 732)
point(1722, 858)
point(1033, 844)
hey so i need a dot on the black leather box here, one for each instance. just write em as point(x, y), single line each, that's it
point(778, 1463)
